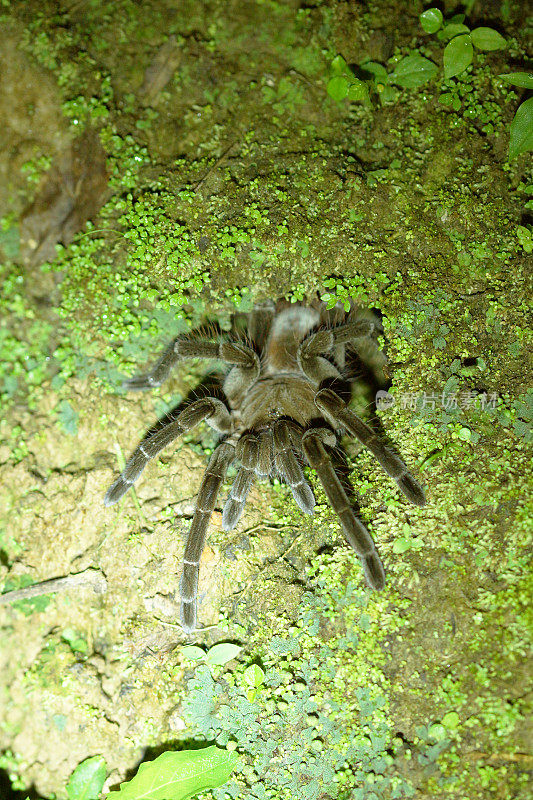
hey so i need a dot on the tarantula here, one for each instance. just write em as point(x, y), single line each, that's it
point(283, 409)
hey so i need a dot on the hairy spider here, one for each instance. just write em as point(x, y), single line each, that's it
point(282, 410)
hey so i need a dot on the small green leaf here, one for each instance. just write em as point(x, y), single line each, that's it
point(222, 653)
point(525, 238)
point(254, 676)
point(388, 94)
point(358, 91)
point(522, 79)
point(339, 66)
point(376, 70)
point(487, 39)
point(192, 653)
point(87, 780)
point(458, 55)
point(75, 640)
point(413, 71)
point(179, 775)
point(338, 87)
point(521, 139)
point(451, 720)
point(451, 30)
point(437, 731)
point(67, 417)
point(431, 20)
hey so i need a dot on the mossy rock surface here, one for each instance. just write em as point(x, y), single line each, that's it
point(233, 176)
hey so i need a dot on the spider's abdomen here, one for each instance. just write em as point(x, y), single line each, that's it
point(286, 394)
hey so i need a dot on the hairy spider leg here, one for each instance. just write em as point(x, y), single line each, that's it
point(209, 408)
point(356, 534)
point(335, 409)
point(247, 451)
point(216, 470)
point(183, 347)
point(260, 321)
point(287, 465)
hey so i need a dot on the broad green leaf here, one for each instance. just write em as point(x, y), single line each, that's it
point(179, 775)
point(431, 20)
point(338, 87)
point(522, 79)
point(87, 780)
point(521, 139)
point(192, 653)
point(413, 71)
point(458, 55)
point(487, 39)
point(221, 653)
point(401, 545)
point(254, 676)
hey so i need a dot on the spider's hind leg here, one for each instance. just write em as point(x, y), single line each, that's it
point(216, 470)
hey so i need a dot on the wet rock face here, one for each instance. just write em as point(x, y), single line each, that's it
point(33, 126)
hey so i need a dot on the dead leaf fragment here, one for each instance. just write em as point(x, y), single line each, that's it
point(72, 191)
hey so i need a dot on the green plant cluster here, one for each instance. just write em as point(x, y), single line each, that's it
point(281, 711)
point(415, 69)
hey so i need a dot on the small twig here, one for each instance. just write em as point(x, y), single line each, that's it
point(221, 160)
point(93, 578)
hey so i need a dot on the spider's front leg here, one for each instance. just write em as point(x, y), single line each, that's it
point(205, 503)
point(212, 410)
point(336, 410)
point(182, 347)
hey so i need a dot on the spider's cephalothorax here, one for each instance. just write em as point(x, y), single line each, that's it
point(279, 414)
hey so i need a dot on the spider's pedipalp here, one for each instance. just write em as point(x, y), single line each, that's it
point(240, 355)
point(335, 409)
point(326, 341)
point(247, 451)
point(354, 531)
point(152, 445)
point(289, 468)
point(216, 470)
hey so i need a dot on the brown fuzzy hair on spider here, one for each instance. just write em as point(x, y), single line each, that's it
point(281, 410)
